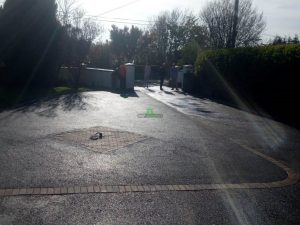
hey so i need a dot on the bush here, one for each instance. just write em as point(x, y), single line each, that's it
point(189, 53)
point(267, 76)
point(29, 33)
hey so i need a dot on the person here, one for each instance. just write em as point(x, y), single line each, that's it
point(147, 75)
point(162, 74)
point(122, 73)
point(174, 76)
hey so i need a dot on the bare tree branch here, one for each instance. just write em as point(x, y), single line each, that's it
point(229, 26)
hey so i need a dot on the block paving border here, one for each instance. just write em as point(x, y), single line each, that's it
point(292, 178)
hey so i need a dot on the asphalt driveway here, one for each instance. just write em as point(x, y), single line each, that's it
point(194, 142)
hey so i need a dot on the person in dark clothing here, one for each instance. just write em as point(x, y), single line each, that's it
point(174, 76)
point(162, 73)
point(122, 72)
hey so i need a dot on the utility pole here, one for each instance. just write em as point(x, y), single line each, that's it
point(235, 22)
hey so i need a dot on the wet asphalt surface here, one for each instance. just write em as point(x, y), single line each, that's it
point(190, 144)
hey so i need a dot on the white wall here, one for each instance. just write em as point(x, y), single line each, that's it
point(94, 77)
point(91, 77)
point(101, 78)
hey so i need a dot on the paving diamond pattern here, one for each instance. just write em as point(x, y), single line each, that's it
point(112, 138)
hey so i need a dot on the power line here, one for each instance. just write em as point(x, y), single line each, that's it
point(117, 18)
point(99, 17)
point(123, 22)
point(119, 7)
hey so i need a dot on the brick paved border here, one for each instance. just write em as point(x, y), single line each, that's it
point(292, 178)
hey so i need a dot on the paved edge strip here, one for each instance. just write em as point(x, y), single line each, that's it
point(292, 178)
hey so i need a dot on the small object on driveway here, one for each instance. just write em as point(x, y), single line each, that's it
point(96, 136)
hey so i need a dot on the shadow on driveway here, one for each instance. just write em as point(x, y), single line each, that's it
point(47, 106)
point(67, 102)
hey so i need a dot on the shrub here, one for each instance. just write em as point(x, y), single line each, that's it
point(29, 33)
point(189, 53)
point(267, 76)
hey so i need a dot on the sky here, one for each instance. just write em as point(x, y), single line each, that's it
point(282, 16)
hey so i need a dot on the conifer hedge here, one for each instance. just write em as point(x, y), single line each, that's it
point(268, 76)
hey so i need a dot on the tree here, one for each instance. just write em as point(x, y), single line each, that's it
point(66, 11)
point(29, 37)
point(146, 50)
point(71, 15)
point(160, 32)
point(134, 35)
point(90, 30)
point(79, 34)
point(173, 30)
point(124, 42)
point(232, 25)
point(278, 40)
point(296, 40)
point(190, 53)
point(100, 55)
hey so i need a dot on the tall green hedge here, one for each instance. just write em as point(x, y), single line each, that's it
point(268, 76)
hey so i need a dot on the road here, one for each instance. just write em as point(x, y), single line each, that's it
point(232, 167)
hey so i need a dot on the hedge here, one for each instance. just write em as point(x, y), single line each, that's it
point(267, 76)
